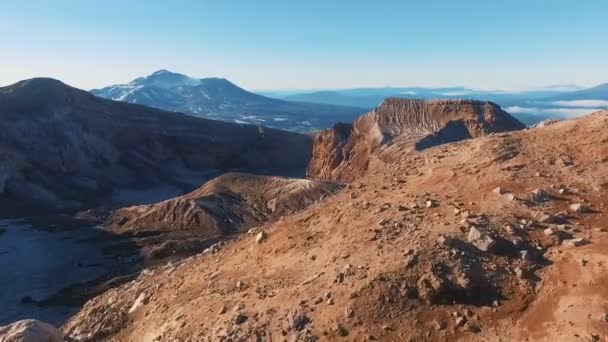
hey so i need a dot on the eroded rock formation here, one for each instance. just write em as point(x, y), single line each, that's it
point(346, 152)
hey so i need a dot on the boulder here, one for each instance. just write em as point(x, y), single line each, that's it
point(539, 196)
point(575, 242)
point(30, 330)
point(260, 237)
point(499, 190)
point(480, 240)
point(579, 208)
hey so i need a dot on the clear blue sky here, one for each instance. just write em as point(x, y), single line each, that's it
point(284, 44)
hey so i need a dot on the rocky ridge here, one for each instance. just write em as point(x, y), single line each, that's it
point(229, 204)
point(346, 152)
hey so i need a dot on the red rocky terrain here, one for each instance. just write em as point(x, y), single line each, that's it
point(495, 238)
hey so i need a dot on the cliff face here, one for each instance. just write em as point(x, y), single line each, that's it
point(329, 150)
point(63, 148)
point(346, 152)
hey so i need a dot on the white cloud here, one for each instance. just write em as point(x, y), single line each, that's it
point(558, 112)
point(455, 93)
point(582, 103)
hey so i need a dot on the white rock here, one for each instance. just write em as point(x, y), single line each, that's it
point(260, 237)
point(30, 330)
point(579, 208)
point(480, 240)
point(141, 300)
point(499, 190)
point(431, 204)
point(575, 242)
point(549, 231)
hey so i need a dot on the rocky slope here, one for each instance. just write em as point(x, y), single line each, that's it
point(226, 205)
point(220, 99)
point(62, 148)
point(347, 151)
point(489, 239)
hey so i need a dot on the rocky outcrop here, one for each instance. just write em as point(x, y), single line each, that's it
point(329, 150)
point(62, 148)
point(346, 152)
point(30, 330)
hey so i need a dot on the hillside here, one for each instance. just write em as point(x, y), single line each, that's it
point(599, 92)
point(220, 99)
point(229, 204)
point(65, 149)
point(347, 151)
point(489, 239)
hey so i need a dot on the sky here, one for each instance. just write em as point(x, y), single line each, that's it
point(312, 44)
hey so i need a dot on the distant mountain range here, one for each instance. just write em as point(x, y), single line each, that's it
point(64, 149)
point(532, 106)
point(218, 98)
point(307, 111)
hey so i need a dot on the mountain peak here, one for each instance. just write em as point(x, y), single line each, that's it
point(40, 83)
point(162, 71)
point(41, 87)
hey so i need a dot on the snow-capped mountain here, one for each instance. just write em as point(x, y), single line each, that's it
point(218, 98)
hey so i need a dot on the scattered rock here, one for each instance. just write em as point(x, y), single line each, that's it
point(539, 195)
point(480, 240)
point(411, 260)
point(439, 325)
point(579, 208)
point(499, 191)
point(384, 222)
point(519, 272)
point(142, 299)
point(240, 318)
point(297, 320)
point(431, 203)
point(546, 218)
point(261, 237)
point(443, 240)
point(460, 320)
point(575, 242)
point(340, 330)
point(549, 231)
point(472, 327)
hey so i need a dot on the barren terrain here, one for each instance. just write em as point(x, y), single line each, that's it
point(496, 238)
